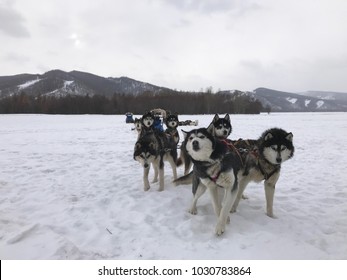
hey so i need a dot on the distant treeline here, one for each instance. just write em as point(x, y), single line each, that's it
point(180, 102)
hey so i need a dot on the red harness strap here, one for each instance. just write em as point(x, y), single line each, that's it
point(232, 147)
point(215, 178)
point(254, 152)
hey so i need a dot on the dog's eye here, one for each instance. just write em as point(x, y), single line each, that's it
point(274, 148)
point(191, 138)
point(283, 148)
point(202, 137)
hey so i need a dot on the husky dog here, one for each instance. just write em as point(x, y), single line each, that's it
point(172, 123)
point(261, 160)
point(138, 127)
point(153, 148)
point(147, 122)
point(219, 128)
point(215, 166)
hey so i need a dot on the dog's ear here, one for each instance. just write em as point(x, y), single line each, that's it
point(289, 137)
point(185, 133)
point(227, 117)
point(216, 118)
point(137, 146)
point(210, 128)
point(268, 136)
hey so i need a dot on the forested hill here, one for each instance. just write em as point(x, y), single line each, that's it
point(75, 92)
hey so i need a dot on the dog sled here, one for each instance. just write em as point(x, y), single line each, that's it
point(188, 123)
point(161, 113)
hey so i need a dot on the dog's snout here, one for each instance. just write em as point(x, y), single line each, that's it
point(279, 159)
point(146, 165)
point(195, 145)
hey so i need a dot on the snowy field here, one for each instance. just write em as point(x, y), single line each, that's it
point(70, 189)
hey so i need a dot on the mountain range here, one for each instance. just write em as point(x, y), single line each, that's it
point(311, 101)
point(60, 83)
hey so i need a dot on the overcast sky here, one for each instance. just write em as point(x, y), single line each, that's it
point(290, 45)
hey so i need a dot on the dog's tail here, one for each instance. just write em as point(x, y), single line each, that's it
point(184, 180)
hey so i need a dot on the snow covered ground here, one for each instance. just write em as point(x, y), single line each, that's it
point(70, 189)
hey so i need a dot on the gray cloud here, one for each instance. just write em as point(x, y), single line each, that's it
point(16, 58)
point(184, 44)
point(204, 6)
point(12, 23)
point(214, 6)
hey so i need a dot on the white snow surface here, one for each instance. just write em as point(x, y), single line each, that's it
point(292, 100)
point(68, 83)
point(28, 84)
point(320, 103)
point(70, 189)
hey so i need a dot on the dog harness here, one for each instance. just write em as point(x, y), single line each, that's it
point(232, 147)
point(267, 176)
point(254, 152)
point(214, 178)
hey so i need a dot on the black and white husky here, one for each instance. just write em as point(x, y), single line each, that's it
point(220, 128)
point(154, 147)
point(171, 127)
point(145, 124)
point(138, 127)
point(261, 161)
point(215, 166)
point(147, 121)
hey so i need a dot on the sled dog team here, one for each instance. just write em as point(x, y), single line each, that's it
point(218, 162)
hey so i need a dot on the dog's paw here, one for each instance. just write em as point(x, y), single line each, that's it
point(146, 188)
point(244, 196)
point(220, 228)
point(193, 211)
point(271, 215)
point(155, 180)
point(233, 209)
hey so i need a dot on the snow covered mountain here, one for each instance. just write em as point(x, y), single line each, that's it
point(291, 102)
point(328, 95)
point(60, 83)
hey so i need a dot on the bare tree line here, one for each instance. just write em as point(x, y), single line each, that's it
point(179, 102)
